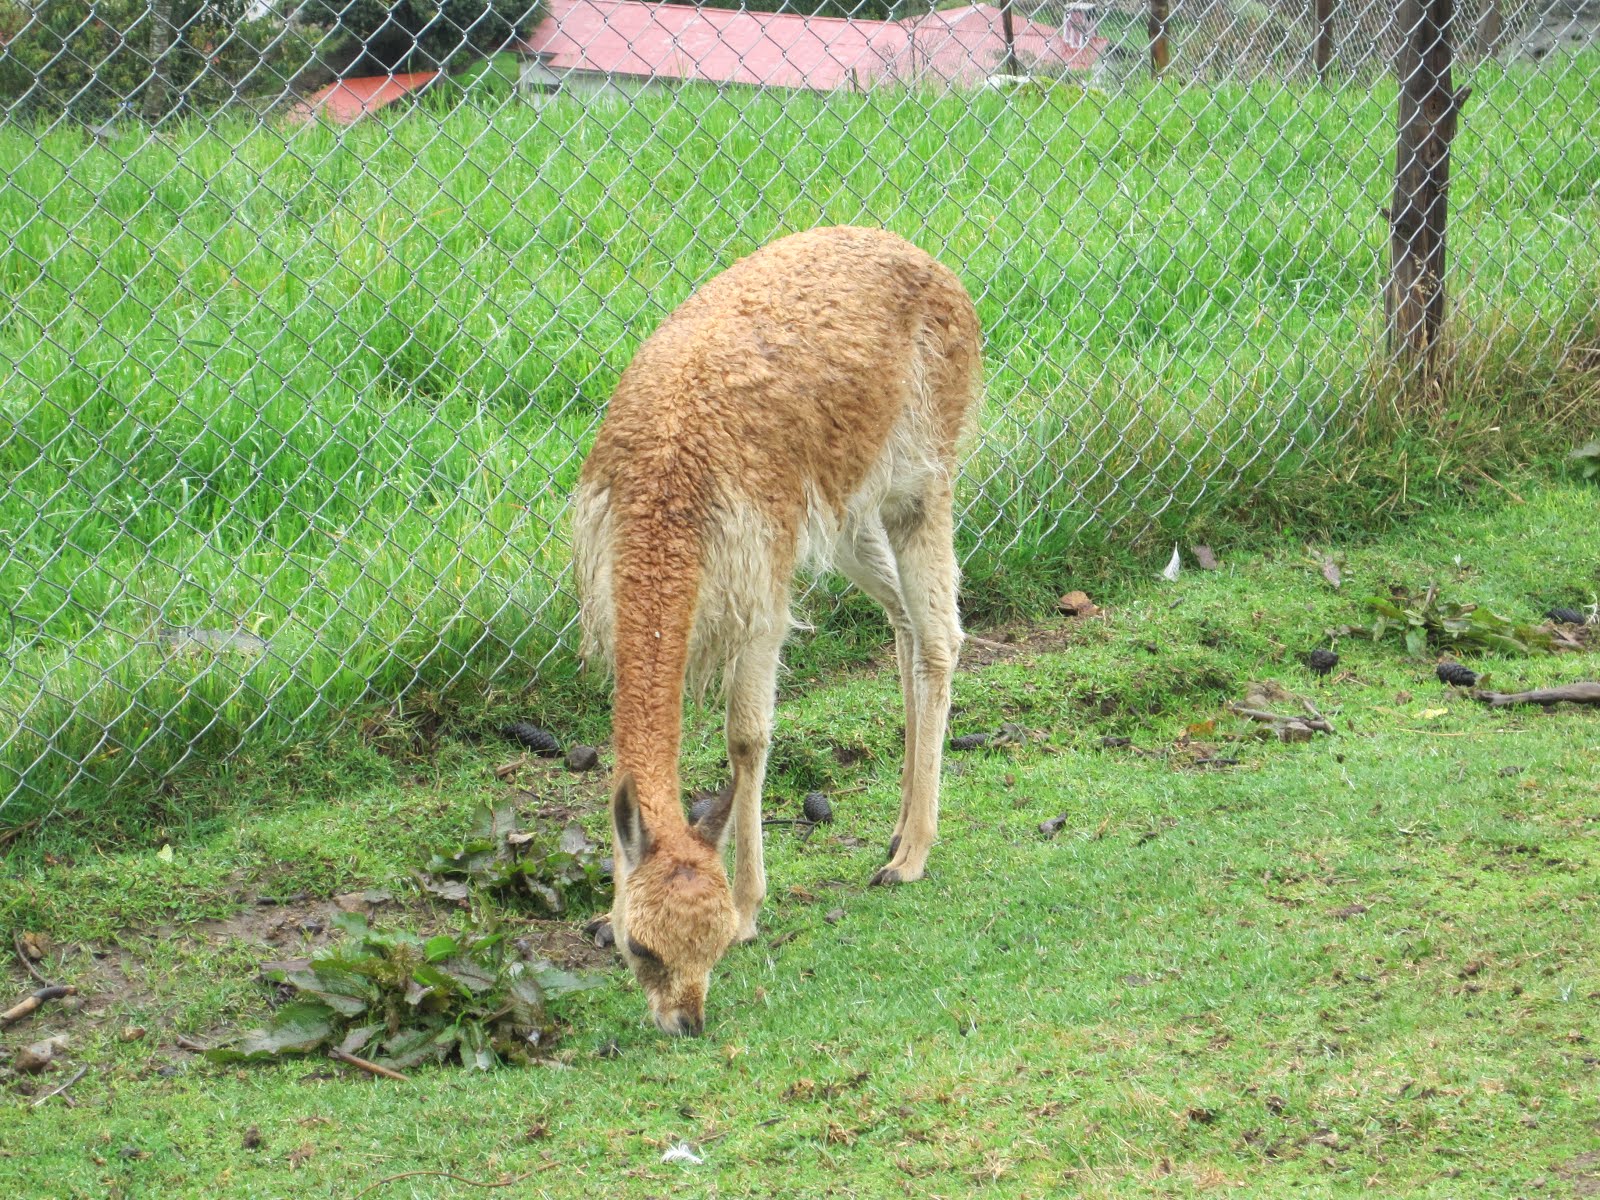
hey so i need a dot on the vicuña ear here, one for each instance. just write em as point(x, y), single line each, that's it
point(632, 838)
point(714, 825)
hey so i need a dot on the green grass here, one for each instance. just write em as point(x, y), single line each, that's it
point(332, 386)
point(1362, 966)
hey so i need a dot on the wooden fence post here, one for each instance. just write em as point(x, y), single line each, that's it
point(1491, 27)
point(155, 92)
point(1160, 55)
point(1012, 67)
point(1414, 301)
point(1322, 53)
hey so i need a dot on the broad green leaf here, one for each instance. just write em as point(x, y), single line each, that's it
point(556, 982)
point(437, 948)
point(333, 982)
point(469, 974)
point(475, 1049)
point(353, 925)
point(1416, 642)
point(357, 1038)
point(419, 1044)
point(526, 998)
point(296, 1028)
point(573, 839)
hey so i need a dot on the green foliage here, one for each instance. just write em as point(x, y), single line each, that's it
point(552, 873)
point(1587, 458)
point(91, 59)
point(425, 34)
point(401, 1000)
point(864, 10)
point(1352, 968)
point(1424, 622)
point(391, 351)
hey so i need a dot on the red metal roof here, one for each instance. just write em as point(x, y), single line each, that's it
point(351, 99)
point(789, 50)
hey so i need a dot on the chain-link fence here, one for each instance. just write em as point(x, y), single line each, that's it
point(311, 313)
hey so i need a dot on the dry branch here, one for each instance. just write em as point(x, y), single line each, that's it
point(24, 1007)
point(57, 1091)
point(1572, 693)
point(1316, 722)
point(27, 963)
point(371, 1068)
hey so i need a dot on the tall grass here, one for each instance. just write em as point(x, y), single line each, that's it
point(332, 386)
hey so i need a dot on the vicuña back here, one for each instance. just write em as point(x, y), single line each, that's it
point(804, 405)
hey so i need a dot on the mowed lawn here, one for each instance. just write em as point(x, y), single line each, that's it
point(1367, 965)
point(331, 388)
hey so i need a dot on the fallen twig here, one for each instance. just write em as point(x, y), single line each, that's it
point(56, 1091)
point(370, 1067)
point(8, 836)
point(1270, 718)
point(987, 644)
point(507, 770)
point(481, 1183)
point(27, 963)
point(1572, 693)
point(189, 1044)
point(1562, 640)
point(1312, 709)
point(1515, 498)
point(24, 1007)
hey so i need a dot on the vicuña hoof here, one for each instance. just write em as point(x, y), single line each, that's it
point(600, 930)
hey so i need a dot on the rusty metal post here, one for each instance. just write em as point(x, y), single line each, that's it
point(1013, 67)
point(1160, 55)
point(1322, 52)
point(1415, 299)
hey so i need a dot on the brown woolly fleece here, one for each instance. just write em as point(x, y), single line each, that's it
point(803, 405)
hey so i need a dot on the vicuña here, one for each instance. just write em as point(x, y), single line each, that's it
point(802, 408)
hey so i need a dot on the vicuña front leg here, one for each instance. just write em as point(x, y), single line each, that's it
point(928, 574)
point(751, 692)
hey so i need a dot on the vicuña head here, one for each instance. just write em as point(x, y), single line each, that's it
point(803, 405)
point(679, 909)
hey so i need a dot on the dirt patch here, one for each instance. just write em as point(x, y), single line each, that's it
point(111, 981)
point(1583, 1173)
point(1011, 643)
point(114, 980)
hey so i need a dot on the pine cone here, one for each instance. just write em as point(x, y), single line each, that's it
point(1565, 616)
point(1322, 661)
point(1455, 674)
point(817, 809)
point(540, 741)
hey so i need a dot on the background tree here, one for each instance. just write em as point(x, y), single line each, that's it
point(421, 34)
point(97, 59)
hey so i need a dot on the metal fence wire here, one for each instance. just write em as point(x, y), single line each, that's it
point(311, 311)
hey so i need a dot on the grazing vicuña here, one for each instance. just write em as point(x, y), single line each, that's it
point(803, 407)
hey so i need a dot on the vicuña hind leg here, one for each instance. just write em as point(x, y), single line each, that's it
point(928, 575)
point(867, 561)
point(752, 683)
